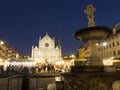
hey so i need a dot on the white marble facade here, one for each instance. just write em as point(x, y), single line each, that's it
point(46, 51)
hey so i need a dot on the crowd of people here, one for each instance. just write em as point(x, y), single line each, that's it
point(44, 68)
point(30, 70)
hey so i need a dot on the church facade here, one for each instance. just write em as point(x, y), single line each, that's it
point(46, 51)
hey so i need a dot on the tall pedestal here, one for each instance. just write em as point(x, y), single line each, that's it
point(94, 59)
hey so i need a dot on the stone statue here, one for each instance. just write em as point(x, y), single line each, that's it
point(90, 15)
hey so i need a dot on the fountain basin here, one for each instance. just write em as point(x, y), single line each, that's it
point(92, 33)
point(89, 68)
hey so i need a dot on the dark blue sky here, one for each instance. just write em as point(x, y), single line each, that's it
point(22, 22)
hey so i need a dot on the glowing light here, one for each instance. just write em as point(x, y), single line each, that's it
point(104, 44)
point(1, 42)
point(72, 56)
point(97, 44)
point(108, 62)
point(83, 59)
point(57, 78)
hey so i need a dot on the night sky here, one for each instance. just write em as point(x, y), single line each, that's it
point(22, 22)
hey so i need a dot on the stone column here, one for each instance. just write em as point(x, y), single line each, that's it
point(94, 59)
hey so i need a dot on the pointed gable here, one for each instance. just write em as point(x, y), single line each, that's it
point(46, 37)
point(46, 40)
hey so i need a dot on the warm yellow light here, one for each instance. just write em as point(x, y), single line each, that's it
point(83, 59)
point(97, 44)
point(107, 62)
point(1, 42)
point(72, 56)
point(66, 57)
point(104, 43)
point(59, 62)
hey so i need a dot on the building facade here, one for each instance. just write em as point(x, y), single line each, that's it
point(7, 52)
point(84, 51)
point(110, 47)
point(47, 52)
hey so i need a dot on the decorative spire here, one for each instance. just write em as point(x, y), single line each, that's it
point(40, 38)
point(59, 44)
point(46, 33)
point(90, 15)
point(53, 38)
point(32, 46)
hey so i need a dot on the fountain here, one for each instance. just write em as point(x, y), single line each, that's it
point(92, 34)
point(93, 75)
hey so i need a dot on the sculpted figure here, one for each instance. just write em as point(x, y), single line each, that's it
point(90, 15)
